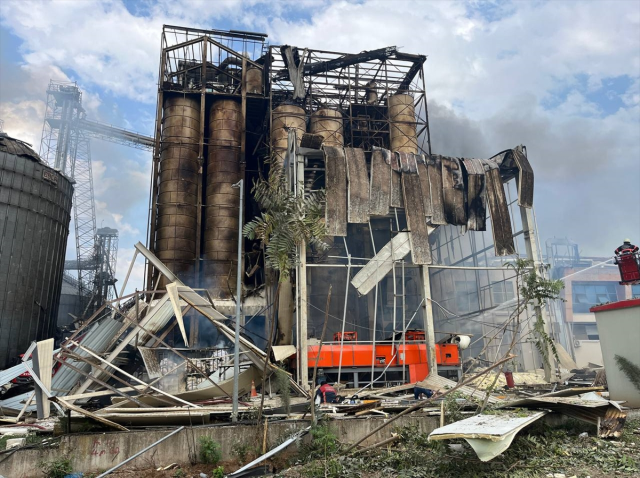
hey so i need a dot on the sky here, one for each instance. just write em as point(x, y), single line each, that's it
point(562, 78)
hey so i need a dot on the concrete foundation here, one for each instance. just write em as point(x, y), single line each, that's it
point(95, 452)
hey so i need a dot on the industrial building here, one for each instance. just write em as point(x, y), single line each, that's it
point(232, 107)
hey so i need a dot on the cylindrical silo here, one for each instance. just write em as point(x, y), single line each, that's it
point(176, 227)
point(222, 201)
point(402, 124)
point(253, 80)
point(35, 205)
point(327, 122)
point(283, 118)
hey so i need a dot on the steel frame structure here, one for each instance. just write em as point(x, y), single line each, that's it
point(65, 145)
point(201, 63)
point(358, 85)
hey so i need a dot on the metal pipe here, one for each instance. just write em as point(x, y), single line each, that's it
point(111, 470)
point(344, 312)
point(236, 342)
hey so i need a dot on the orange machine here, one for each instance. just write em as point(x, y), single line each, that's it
point(401, 361)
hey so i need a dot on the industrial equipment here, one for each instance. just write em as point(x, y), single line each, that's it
point(65, 146)
point(36, 202)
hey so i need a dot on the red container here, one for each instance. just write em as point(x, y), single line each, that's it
point(509, 377)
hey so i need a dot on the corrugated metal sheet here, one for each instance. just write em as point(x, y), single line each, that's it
point(17, 402)
point(97, 339)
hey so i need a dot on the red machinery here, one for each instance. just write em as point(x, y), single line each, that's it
point(629, 265)
point(408, 359)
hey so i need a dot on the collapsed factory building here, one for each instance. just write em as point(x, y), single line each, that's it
point(417, 242)
point(295, 197)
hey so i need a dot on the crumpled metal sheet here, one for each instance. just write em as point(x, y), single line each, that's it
point(357, 186)
point(380, 182)
point(476, 194)
point(336, 190)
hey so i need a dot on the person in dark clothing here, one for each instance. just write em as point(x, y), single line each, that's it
point(626, 248)
point(326, 393)
point(419, 391)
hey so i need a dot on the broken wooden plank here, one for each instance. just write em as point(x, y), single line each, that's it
point(380, 182)
point(499, 210)
point(476, 194)
point(336, 190)
point(380, 265)
point(434, 170)
point(425, 186)
point(455, 208)
point(396, 183)
point(416, 220)
point(488, 435)
point(357, 186)
point(82, 411)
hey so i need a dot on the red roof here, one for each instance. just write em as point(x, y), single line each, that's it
point(621, 304)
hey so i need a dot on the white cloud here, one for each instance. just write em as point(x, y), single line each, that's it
point(487, 77)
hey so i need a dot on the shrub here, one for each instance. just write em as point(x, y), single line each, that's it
point(209, 450)
point(58, 468)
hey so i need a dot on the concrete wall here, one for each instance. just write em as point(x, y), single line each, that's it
point(619, 331)
point(101, 451)
point(587, 351)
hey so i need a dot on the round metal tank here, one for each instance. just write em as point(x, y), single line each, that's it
point(283, 118)
point(35, 205)
point(176, 226)
point(402, 124)
point(253, 80)
point(327, 122)
point(222, 201)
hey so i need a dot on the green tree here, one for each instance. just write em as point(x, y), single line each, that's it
point(287, 222)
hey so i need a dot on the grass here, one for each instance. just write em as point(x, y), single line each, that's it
point(535, 452)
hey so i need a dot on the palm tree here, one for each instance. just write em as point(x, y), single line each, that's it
point(286, 223)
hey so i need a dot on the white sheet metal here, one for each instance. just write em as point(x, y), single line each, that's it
point(488, 435)
point(380, 265)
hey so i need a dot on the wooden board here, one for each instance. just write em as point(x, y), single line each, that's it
point(525, 179)
point(434, 170)
point(476, 195)
point(500, 217)
point(357, 187)
point(425, 186)
point(396, 182)
point(455, 209)
point(380, 182)
point(416, 221)
point(336, 188)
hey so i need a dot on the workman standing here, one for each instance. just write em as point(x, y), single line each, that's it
point(326, 393)
point(626, 248)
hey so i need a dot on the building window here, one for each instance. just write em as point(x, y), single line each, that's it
point(589, 294)
point(635, 291)
point(585, 331)
point(466, 296)
point(502, 292)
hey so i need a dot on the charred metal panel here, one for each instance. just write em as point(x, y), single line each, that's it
point(434, 170)
point(499, 210)
point(358, 186)
point(455, 210)
point(396, 182)
point(380, 190)
point(425, 186)
point(336, 187)
point(414, 210)
point(525, 178)
point(476, 195)
point(311, 141)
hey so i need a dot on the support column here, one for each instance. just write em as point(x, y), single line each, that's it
point(533, 253)
point(428, 321)
point(303, 349)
